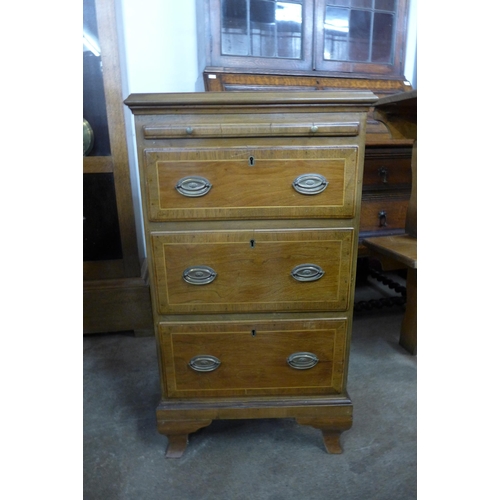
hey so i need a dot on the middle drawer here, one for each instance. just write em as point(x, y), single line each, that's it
point(252, 270)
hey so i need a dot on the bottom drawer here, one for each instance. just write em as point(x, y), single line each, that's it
point(253, 358)
point(383, 215)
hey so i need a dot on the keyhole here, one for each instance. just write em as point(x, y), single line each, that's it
point(251, 161)
point(252, 243)
point(254, 333)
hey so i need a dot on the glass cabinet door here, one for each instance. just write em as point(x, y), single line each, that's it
point(342, 36)
point(262, 33)
point(262, 28)
point(359, 36)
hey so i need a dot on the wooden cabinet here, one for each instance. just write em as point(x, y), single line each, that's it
point(115, 288)
point(350, 38)
point(251, 213)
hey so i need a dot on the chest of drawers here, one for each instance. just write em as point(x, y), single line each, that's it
point(251, 206)
point(386, 192)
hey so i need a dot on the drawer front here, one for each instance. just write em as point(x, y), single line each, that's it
point(251, 182)
point(383, 215)
point(252, 358)
point(252, 271)
point(390, 171)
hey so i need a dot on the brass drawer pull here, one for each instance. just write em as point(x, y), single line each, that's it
point(204, 363)
point(383, 172)
point(193, 186)
point(310, 184)
point(302, 360)
point(382, 218)
point(307, 272)
point(199, 275)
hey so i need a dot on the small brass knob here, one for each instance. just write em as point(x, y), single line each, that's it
point(189, 130)
point(314, 129)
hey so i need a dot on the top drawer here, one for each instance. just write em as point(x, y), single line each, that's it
point(243, 182)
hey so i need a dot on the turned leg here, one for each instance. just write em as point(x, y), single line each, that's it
point(177, 433)
point(331, 430)
point(408, 337)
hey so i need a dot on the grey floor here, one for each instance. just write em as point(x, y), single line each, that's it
point(253, 459)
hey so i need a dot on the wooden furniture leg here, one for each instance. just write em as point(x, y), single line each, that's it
point(408, 336)
point(331, 430)
point(177, 433)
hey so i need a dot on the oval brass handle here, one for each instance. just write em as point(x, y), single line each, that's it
point(310, 183)
point(193, 186)
point(199, 275)
point(302, 360)
point(204, 363)
point(307, 272)
point(382, 218)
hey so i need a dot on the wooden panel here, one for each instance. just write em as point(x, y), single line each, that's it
point(253, 270)
point(97, 164)
point(402, 248)
point(250, 182)
point(253, 357)
point(116, 306)
point(217, 79)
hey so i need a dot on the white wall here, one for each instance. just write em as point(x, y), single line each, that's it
point(160, 45)
point(159, 54)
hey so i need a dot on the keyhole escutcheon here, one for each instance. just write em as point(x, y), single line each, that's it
point(251, 161)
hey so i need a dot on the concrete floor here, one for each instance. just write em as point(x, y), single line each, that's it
point(252, 459)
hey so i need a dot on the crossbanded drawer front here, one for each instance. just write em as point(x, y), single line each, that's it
point(251, 358)
point(244, 182)
point(252, 271)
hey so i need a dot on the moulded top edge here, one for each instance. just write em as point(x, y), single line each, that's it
point(208, 99)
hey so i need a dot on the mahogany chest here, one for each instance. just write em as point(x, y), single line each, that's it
point(251, 206)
